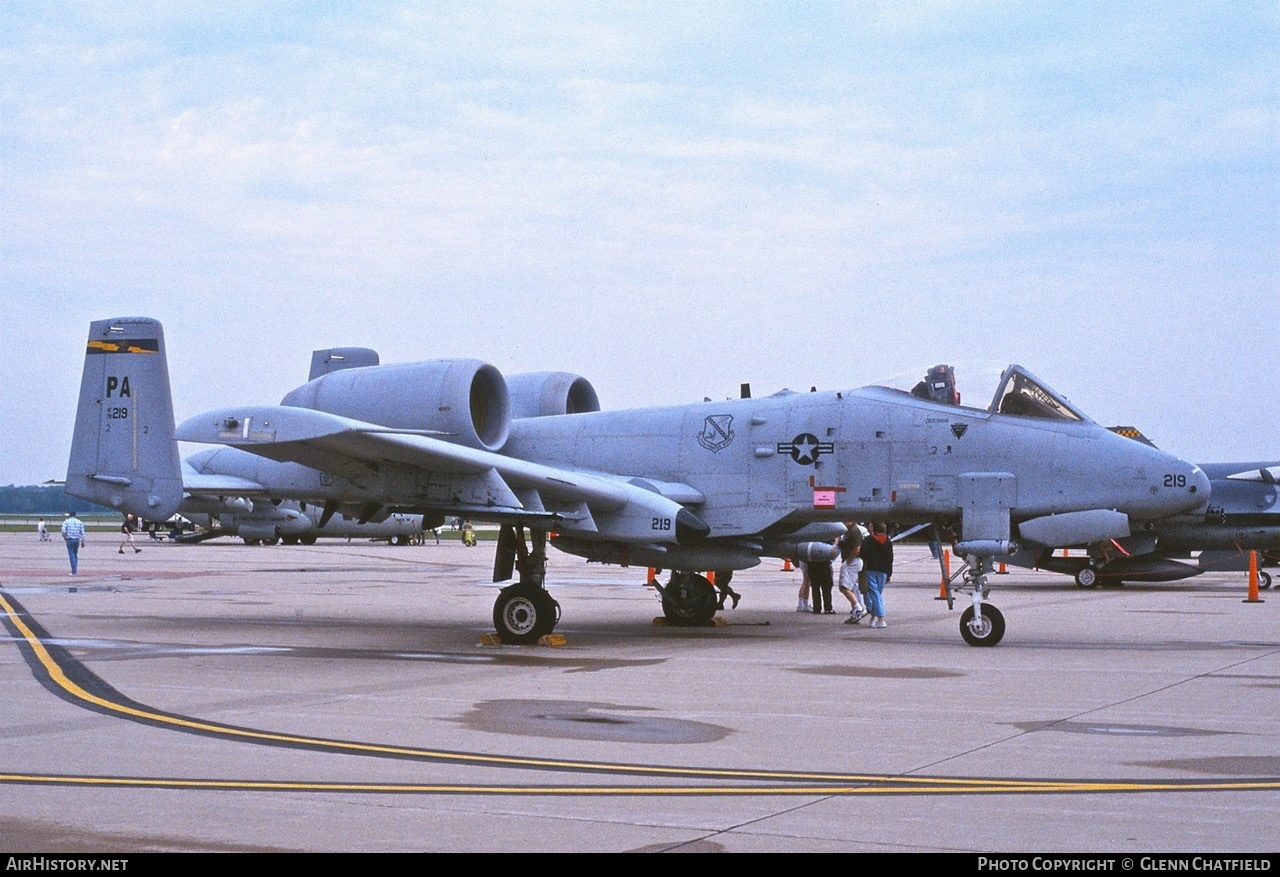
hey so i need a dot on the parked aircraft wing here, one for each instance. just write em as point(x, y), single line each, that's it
point(350, 448)
point(199, 483)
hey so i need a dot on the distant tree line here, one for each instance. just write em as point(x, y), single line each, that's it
point(42, 500)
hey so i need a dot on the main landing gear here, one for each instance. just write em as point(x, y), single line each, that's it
point(688, 599)
point(524, 612)
point(981, 624)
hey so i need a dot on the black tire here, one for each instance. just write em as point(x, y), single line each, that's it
point(399, 540)
point(523, 614)
point(1264, 580)
point(274, 540)
point(253, 542)
point(688, 600)
point(992, 630)
point(307, 540)
point(1087, 577)
point(289, 540)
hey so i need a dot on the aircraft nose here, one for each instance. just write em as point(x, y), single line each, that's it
point(1165, 485)
point(1198, 486)
point(1182, 487)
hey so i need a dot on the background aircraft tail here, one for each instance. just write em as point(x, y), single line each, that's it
point(123, 452)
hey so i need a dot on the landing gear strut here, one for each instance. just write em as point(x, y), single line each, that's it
point(524, 612)
point(981, 624)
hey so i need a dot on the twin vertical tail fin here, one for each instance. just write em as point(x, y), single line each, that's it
point(123, 452)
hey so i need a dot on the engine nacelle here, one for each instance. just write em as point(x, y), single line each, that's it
point(546, 394)
point(465, 399)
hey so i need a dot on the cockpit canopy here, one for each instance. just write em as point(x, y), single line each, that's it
point(1023, 394)
point(1018, 392)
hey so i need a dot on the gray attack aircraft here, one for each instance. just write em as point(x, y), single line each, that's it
point(687, 488)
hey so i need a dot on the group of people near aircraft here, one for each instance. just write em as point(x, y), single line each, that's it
point(866, 565)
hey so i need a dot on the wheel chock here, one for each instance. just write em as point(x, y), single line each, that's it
point(551, 640)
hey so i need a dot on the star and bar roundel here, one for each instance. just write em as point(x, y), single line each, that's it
point(805, 448)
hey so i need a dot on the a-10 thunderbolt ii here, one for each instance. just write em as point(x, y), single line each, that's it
point(687, 488)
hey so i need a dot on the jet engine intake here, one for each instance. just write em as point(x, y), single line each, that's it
point(466, 401)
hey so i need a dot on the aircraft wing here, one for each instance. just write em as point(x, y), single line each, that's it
point(204, 484)
point(449, 477)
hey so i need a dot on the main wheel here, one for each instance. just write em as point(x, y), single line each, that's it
point(989, 632)
point(1264, 580)
point(1087, 577)
point(401, 539)
point(289, 540)
point(688, 600)
point(523, 614)
point(307, 540)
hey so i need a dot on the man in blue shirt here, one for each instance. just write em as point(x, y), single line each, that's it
point(73, 535)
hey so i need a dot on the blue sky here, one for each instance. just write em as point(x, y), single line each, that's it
point(669, 199)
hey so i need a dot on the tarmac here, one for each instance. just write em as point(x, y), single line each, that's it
point(339, 697)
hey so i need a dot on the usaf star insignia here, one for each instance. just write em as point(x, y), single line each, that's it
point(805, 448)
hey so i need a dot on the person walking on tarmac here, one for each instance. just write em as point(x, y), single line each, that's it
point(73, 535)
point(126, 529)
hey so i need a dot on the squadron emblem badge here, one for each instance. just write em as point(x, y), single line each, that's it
point(717, 432)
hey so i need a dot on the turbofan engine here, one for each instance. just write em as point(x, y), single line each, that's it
point(546, 394)
point(465, 400)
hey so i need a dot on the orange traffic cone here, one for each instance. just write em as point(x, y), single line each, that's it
point(1253, 580)
point(946, 574)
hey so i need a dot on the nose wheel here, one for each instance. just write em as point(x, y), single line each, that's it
point(985, 631)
